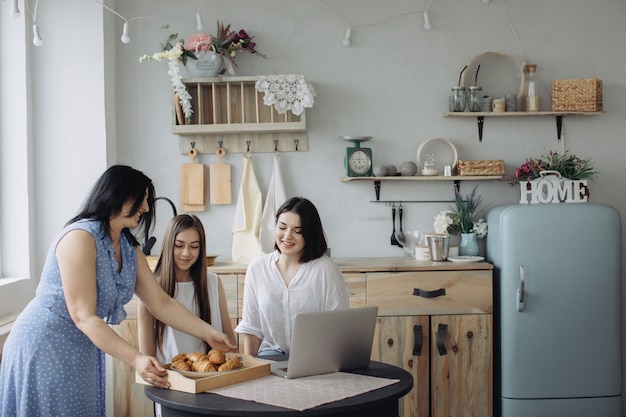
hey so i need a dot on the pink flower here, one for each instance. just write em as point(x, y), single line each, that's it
point(203, 41)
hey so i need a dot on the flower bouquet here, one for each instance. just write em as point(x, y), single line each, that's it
point(568, 165)
point(462, 218)
point(210, 49)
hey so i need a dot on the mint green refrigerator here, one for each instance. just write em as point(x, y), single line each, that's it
point(558, 343)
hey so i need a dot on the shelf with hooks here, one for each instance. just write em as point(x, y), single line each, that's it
point(231, 110)
point(456, 179)
point(480, 117)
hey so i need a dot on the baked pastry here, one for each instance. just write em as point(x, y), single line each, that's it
point(232, 363)
point(181, 365)
point(204, 366)
point(216, 356)
point(180, 356)
point(195, 356)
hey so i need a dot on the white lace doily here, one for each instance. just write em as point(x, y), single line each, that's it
point(286, 92)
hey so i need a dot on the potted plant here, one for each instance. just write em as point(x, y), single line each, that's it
point(463, 219)
point(567, 165)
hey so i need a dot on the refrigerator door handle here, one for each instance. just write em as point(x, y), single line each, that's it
point(520, 291)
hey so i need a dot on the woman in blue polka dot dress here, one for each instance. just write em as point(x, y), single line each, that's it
point(53, 360)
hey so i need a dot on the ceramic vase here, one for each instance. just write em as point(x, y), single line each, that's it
point(469, 245)
point(208, 64)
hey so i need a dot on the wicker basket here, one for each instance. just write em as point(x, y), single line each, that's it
point(577, 95)
point(492, 167)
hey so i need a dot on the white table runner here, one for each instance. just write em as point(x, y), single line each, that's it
point(304, 393)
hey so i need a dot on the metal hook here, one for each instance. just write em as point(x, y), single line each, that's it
point(275, 145)
point(219, 143)
point(296, 141)
point(247, 146)
point(193, 145)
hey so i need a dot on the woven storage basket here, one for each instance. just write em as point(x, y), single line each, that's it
point(492, 167)
point(577, 95)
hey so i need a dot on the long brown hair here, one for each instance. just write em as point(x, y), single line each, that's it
point(165, 273)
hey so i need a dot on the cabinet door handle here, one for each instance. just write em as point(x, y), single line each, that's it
point(417, 340)
point(441, 339)
point(429, 294)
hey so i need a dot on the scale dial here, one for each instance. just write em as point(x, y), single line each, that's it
point(360, 162)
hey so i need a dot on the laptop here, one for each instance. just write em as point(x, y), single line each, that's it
point(329, 341)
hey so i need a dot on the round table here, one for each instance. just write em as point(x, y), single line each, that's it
point(378, 403)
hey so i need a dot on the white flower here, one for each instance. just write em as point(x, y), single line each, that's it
point(480, 228)
point(180, 89)
point(442, 222)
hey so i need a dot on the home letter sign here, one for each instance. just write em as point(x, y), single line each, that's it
point(546, 190)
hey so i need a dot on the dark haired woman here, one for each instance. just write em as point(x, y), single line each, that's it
point(298, 277)
point(53, 360)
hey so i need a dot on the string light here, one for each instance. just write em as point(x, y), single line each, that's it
point(36, 38)
point(15, 11)
point(200, 25)
point(125, 37)
point(427, 25)
point(485, 1)
point(346, 42)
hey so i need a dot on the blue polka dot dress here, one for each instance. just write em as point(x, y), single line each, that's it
point(49, 367)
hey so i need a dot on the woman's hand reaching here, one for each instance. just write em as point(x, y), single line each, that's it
point(151, 371)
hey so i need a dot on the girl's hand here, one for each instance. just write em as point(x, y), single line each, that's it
point(151, 371)
point(219, 340)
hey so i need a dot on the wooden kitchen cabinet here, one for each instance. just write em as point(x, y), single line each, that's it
point(443, 338)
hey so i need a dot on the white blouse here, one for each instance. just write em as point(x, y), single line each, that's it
point(175, 341)
point(270, 307)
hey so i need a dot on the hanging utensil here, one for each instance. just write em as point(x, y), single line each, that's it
point(394, 241)
point(400, 233)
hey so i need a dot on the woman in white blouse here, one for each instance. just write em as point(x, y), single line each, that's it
point(297, 277)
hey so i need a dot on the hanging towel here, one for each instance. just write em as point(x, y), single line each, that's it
point(276, 196)
point(247, 216)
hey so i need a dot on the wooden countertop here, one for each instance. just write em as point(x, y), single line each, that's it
point(357, 265)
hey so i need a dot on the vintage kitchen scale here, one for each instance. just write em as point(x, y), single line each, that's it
point(358, 160)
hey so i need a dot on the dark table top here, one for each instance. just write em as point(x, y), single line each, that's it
point(218, 405)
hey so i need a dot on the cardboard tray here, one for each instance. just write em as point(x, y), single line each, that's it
point(252, 368)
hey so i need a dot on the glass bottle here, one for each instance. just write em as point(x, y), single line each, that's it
point(475, 98)
point(458, 98)
point(532, 97)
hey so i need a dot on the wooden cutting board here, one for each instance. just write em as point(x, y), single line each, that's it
point(193, 185)
point(219, 180)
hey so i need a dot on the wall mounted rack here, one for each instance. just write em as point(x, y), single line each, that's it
point(456, 179)
point(480, 118)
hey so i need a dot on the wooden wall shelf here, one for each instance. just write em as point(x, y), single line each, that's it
point(480, 117)
point(231, 110)
point(456, 179)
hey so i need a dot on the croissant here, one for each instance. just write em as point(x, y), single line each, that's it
point(195, 356)
point(232, 363)
point(216, 356)
point(179, 357)
point(204, 366)
point(181, 365)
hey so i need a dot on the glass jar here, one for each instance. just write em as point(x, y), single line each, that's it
point(458, 98)
point(531, 102)
point(475, 98)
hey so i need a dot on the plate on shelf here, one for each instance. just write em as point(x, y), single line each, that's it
point(443, 150)
point(466, 259)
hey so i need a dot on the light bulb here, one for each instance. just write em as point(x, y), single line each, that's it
point(200, 25)
point(37, 41)
point(15, 11)
point(485, 1)
point(125, 37)
point(346, 40)
point(427, 25)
